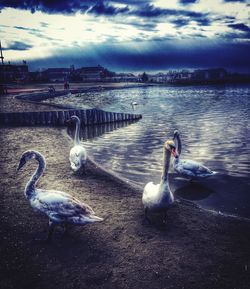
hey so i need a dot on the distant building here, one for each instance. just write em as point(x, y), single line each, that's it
point(56, 74)
point(210, 75)
point(91, 73)
point(159, 77)
point(124, 77)
point(14, 72)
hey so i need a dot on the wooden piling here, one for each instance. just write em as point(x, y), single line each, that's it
point(59, 118)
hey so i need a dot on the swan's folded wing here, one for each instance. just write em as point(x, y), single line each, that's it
point(63, 204)
point(77, 157)
point(77, 152)
point(195, 167)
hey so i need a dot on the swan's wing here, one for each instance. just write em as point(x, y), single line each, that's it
point(193, 167)
point(78, 151)
point(77, 156)
point(60, 203)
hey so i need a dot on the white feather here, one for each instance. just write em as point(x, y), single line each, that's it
point(77, 157)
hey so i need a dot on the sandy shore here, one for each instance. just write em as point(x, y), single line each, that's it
point(195, 249)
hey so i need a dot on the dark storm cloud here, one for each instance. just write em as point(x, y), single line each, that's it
point(136, 8)
point(159, 56)
point(165, 56)
point(47, 6)
point(236, 36)
point(186, 2)
point(224, 19)
point(180, 22)
point(131, 2)
point(240, 26)
point(203, 21)
point(17, 45)
point(105, 9)
point(150, 10)
point(68, 7)
point(235, 1)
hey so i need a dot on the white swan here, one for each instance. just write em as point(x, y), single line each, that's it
point(189, 168)
point(78, 154)
point(61, 208)
point(134, 103)
point(159, 197)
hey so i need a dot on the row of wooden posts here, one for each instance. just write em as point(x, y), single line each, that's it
point(60, 117)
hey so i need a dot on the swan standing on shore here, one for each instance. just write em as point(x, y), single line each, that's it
point(189, 168)
point(159, 197)
point(78, 154)
point(61, 208)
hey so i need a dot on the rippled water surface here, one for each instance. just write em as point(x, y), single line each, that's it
point(214, 126)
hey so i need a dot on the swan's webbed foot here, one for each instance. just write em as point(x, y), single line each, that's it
point(66, 230)
point(83, 169)
point(51, 230)
point(146, 220)
point(165, 216)
point(46, 240)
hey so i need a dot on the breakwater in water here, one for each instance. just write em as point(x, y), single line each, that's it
point(59, 117)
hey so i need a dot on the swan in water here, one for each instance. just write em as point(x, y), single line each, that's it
point(159, 197)
point(61, 208)
point(134, 104)
point(78, 154)
point(189, 168)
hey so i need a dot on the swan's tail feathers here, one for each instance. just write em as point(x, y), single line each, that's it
point(94, 218)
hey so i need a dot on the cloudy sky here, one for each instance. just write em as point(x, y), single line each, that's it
point(127, 35)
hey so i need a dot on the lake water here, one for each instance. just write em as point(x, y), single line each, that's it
point(214, 125)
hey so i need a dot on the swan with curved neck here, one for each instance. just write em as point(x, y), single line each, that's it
point(189, 168)
point(78, 154)
point(159, 197)
point(60, 207)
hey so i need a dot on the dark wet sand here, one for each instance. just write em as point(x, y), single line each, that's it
point(196, 249)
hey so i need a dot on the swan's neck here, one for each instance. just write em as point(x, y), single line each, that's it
point(178, 144)
point(31, 185)
point(177, 159)
point(166, 164)
point(167, 195)
point(77, 133)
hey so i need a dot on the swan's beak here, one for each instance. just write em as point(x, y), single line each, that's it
point(174, 152)
point(21, 164)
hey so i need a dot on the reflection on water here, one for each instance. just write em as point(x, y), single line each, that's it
point(214, 126)
point(193, 191)
point(95, 131)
